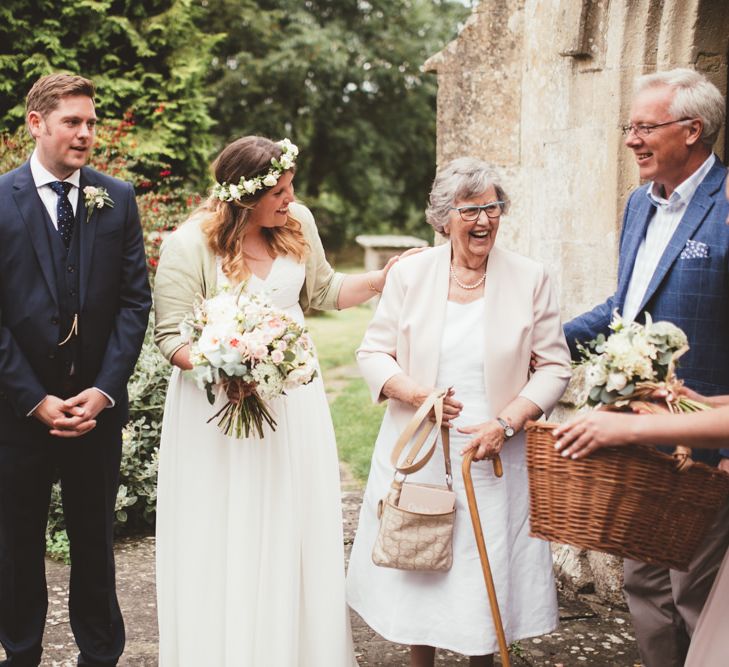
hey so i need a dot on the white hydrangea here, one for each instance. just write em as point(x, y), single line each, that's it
point(675, 337)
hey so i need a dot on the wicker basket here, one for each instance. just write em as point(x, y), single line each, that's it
point(625, 501)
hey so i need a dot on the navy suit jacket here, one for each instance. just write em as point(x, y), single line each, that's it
point(689, 290)
point(114, 298)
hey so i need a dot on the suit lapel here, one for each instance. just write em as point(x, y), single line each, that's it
point(87, 235)
point(699, 206)
point(32, 211)
point(642, 212)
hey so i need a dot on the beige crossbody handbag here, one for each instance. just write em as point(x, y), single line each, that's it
point(416, 520)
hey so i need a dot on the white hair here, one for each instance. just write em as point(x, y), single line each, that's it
point(695, 97)
point(461, 178)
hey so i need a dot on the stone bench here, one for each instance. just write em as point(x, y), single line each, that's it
point(378, 248)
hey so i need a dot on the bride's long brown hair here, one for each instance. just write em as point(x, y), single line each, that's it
point(225, 225)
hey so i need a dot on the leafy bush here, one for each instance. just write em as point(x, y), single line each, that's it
point(148, 54)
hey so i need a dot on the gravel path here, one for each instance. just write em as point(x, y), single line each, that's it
point(590, 634)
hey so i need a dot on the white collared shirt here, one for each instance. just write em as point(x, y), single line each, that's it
point(42, 177)
point(658, 234)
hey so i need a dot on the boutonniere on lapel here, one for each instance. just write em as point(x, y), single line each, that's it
point(96, 198)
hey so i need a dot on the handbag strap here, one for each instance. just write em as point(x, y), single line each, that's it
point(420, 427)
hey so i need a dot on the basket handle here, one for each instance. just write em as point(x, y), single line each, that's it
point(682, 458)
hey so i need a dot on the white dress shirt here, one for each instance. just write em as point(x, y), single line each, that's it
point(42, 177)
point(658, 233)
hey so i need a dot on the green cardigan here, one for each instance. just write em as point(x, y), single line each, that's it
point(187, 270)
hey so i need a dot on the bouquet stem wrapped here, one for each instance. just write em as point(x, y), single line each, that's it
point(238, 418)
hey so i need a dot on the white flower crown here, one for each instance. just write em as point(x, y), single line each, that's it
point(248, 186)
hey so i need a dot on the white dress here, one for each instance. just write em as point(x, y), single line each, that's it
point(250, 558)
point(450, 610)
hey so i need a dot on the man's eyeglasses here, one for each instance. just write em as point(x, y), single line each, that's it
point(643, 130)
point(472, 213)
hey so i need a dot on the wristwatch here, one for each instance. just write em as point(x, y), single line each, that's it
point(508, 428)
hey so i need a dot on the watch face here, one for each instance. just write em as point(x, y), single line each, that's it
point(508, 428)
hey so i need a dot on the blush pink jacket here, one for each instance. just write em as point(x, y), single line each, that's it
point(522, 316)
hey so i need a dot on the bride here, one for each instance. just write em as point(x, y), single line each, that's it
point(250, 562)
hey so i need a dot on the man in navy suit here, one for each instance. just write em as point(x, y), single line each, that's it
point(674, 264)
point(74, 304)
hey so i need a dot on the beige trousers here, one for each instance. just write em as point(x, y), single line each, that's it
point(665, 604)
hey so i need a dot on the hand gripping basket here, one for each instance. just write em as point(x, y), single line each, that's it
point(626, 501)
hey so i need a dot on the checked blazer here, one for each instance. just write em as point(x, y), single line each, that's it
point(690, 286)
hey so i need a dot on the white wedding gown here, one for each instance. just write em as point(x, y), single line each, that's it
point(250, 561)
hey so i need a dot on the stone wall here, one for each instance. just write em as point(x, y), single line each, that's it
point(541, 88)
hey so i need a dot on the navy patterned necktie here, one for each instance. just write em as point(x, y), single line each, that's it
point(64, 210)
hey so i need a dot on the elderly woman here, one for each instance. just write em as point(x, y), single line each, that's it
point(464, 315)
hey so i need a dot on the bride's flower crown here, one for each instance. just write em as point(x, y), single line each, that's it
point(248, 186)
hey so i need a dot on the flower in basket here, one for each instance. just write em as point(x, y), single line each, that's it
point(239, 338)
point(633, 362)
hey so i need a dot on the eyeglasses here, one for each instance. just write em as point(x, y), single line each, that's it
point(472, 213)
point(643, 130)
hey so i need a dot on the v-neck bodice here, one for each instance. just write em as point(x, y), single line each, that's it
point(281, 287)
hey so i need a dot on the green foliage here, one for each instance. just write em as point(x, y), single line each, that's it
point(57, 545)
point(344, 81)
point(342, 78)
point(137, 498)
point(15, 149)
point(147, 56)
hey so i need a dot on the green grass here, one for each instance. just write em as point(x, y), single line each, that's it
point(337, 334)
point(356, 423)
point(356, 419)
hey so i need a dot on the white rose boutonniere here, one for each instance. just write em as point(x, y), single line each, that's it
point(95, 197)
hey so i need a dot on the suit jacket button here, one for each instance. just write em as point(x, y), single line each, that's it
point(54, 320)
point(71, 268)
point(51, 356)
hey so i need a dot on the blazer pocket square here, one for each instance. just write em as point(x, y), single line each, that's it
point(694, 250)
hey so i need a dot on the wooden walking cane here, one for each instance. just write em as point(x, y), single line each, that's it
point(478, 532)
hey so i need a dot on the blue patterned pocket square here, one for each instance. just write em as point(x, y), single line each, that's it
point(694, 250)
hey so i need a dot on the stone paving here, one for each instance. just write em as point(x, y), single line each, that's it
point(590, 634)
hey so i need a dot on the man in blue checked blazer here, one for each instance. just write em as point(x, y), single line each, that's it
point(674, 264)
point(74, 303)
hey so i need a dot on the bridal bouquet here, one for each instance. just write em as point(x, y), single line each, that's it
point(633, 362)
point(239, 338)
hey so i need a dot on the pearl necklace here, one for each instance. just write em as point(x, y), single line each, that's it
point(464, 286)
